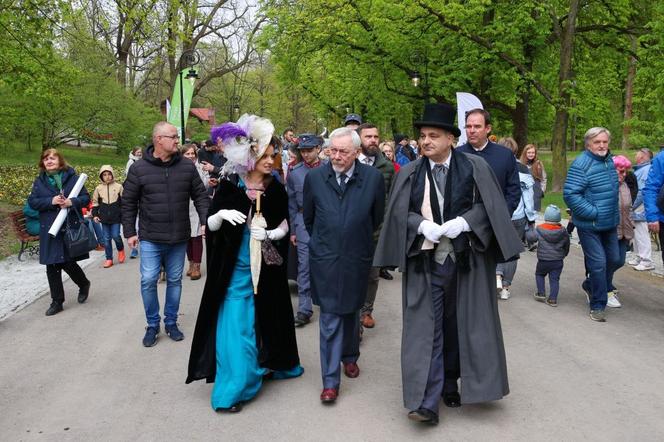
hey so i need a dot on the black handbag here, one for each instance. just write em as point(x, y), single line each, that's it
point(78, 238)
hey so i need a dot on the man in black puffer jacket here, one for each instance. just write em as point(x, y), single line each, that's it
point(158, 187)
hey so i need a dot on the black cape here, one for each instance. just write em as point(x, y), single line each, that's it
point(277, 347)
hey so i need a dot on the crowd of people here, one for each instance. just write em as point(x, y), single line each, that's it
point(347, 210)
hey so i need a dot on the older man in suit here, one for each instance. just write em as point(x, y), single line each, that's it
point(343, 206)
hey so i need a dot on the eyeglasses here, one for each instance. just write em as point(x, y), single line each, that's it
point(172, 137)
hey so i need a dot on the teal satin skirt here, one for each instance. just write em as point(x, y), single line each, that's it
point(239, 377)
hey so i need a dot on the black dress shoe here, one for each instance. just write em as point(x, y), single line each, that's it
point(385, 274)
point(452, 400)
point(55, 308)
point(423, 415)
point(83, 293)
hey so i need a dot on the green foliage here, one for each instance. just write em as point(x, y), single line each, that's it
point(505, 52)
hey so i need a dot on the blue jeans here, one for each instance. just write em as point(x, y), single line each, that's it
point(152, 256)
point(111, 233)
point(602, 256)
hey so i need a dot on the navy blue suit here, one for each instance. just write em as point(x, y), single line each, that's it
point(503, 164)
point(341, 225)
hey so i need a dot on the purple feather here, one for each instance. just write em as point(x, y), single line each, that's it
point(226, 131)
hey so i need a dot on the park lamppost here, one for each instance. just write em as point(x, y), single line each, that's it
point(234, 107)
point(188, 59)
point(418, 59)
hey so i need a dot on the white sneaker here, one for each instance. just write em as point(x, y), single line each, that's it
point(633, 261)
point(504, 294)
point(641, 267)
point(613, 301)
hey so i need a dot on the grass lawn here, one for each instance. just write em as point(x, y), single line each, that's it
point(14, 155)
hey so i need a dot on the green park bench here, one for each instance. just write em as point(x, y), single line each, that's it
point(29, 243)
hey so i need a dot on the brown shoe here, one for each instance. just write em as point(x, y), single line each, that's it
point(191, 266)
point(351, 370)
point(368, 321)
point(196, 272)
point(329, 395)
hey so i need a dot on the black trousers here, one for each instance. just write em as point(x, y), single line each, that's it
point(451, 334)
point(54, 275)
point(444, 366)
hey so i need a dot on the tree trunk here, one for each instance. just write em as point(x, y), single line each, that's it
point(629, 95)
point(520, 120)
point(559, 138)
point(122, 67)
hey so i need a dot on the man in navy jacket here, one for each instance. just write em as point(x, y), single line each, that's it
point(500, 158)
point(343, 204)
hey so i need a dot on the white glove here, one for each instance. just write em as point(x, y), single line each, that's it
point(454, 227)
point(258, 233)
point(232, 216)
point(261, 234)
point(276, 234)
point(430, 230)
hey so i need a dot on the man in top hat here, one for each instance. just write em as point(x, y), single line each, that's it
point(309, 146)
point(457, 227)
point(352, 121)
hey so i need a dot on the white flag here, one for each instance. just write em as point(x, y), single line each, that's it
point(465, 103)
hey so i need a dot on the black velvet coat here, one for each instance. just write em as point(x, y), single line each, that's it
point(277, 347)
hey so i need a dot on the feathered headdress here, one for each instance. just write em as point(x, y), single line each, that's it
point(245, 142)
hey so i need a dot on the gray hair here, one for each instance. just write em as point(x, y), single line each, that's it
point(345, 132)
point(158, 128)
point(593, 132)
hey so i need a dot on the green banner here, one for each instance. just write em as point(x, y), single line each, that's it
point(187, 91)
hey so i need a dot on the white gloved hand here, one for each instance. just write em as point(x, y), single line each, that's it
point(258, 233)
point(232, 216)
point(455, 227)
point(430, 230)
point(276, 234)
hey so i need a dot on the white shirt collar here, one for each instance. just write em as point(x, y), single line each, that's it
point(446, 163)
point(481, 148)
point(362, 157)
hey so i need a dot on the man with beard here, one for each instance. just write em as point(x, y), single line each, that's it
point(372, 156)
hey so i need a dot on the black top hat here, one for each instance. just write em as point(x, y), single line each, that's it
point(439, 115)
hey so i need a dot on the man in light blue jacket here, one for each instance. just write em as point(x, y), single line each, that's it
point(591, 193)
point(654, 215)
point(642, 259)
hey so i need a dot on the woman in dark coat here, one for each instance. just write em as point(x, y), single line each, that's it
point(49, 194)
point(241, 338)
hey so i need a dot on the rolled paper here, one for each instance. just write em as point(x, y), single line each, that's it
point(62, 215)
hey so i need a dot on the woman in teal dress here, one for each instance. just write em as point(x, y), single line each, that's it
point(240, 338)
